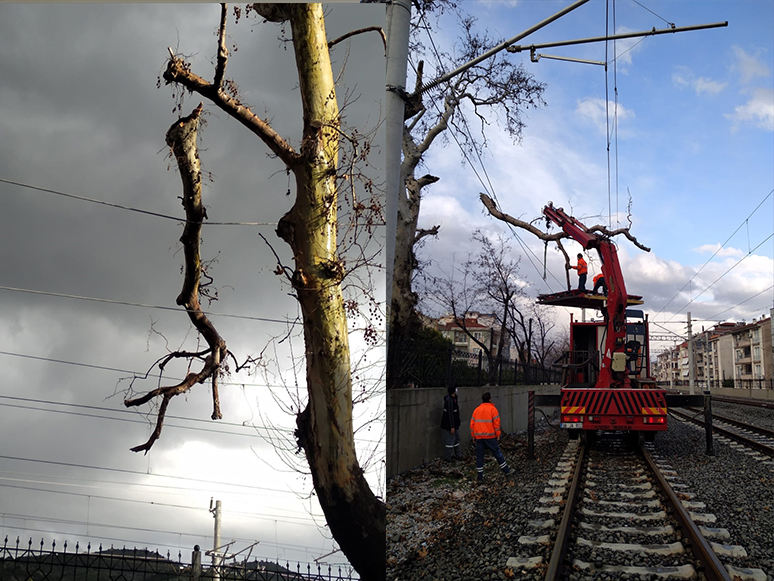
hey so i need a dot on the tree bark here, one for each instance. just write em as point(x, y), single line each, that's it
point(181, 138)
point(357, 519)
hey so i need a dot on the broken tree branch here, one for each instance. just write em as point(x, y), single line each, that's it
point(178, 71)
point(343, 37)
point(491, 207)
point(181, 137)
point(220, 69)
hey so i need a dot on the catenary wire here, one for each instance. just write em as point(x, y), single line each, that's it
point(131, 304)
point(136, 529)
point(737, 263)
point(304, 521)
point(526, 249)
point(715, 254)
point(245, 426)
point(129, 208)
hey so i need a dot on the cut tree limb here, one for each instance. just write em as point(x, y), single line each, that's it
point(181, 137)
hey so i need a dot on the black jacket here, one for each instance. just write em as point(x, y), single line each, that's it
point(451, 413)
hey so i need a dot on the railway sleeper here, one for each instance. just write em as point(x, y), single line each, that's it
point(669, 549)
point(681, 572)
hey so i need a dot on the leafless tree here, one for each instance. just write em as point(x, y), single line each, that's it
point(323, 176)
point(496, 85)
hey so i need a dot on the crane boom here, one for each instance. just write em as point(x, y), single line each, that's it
point(613, 372)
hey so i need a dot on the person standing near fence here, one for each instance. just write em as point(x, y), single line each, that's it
point(485, 431)
point(450, 424)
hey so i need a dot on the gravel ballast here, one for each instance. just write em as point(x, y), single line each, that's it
point(442, 526)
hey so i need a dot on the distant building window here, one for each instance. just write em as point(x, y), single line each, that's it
point(460, 337)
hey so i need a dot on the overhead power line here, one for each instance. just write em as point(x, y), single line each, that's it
point(745, 221)
point(737, 263)
point(131, 304)
point(133, 419)
point(129, 208)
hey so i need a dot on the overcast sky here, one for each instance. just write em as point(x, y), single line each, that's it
point(81, 113)
point(694, 147)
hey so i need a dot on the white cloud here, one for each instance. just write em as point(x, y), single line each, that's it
point(593, 110)
point(723, 252)
point(748, 66)
point(759, 110)
point(626, 48)
point(684, 77)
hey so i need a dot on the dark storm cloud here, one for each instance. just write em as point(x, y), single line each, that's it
point(80, 112)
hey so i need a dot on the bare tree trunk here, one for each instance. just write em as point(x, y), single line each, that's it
point(357, 519)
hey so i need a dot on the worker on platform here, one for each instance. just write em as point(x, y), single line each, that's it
point(583, 270)
point(599, 283)
point(485, 431)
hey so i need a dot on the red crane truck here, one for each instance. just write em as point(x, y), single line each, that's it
point(606, 380)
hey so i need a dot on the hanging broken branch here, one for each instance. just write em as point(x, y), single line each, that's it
point(181, 138)
point(491, 207)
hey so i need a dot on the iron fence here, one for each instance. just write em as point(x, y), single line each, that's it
point(20, 562)
point(450, 367)
point(706, 384)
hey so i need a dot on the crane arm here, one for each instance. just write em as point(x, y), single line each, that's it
point(615, 306)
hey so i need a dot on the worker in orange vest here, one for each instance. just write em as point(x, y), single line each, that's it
point(599, 282)
point(485, 430)
point(583, 270)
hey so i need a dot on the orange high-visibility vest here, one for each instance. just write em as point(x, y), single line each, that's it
point(485, 422)
point(596, 278)
point(582, 266)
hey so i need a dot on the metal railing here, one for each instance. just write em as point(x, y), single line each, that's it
point(706, 384)
point(28, 562)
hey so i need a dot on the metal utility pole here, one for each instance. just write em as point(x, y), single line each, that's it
point(216, 556)
point(691, 369)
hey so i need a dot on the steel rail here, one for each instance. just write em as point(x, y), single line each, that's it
point(745, 401)
point(712, 567)
point(739, 424)
point(562, 544)
point(768, 450)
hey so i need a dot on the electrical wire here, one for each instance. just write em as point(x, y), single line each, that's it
point(244, 425)
point(769, 237)
point(131, 304)
point(129, 208)
point(490, 189)
point(135, 529)
point(715, 254)
point(717, 316)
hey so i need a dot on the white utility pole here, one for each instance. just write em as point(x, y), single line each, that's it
point(691, 369)
point(216, 556)
point(398, 25)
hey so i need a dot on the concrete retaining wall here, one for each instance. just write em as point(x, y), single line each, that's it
point(762, 394)
point(414, 434)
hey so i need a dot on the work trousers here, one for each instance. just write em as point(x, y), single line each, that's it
point(484, 444)
point(582, 281)
point(452, 443)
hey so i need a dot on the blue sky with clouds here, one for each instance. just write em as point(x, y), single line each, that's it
point(694, 147)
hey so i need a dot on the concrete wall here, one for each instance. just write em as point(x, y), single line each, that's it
point(763, 394)
point(414, 434)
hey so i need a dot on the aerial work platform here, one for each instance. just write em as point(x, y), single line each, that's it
point(581, 299)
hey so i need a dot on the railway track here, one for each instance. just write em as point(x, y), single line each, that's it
point(612, 511)
point(754, 437)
